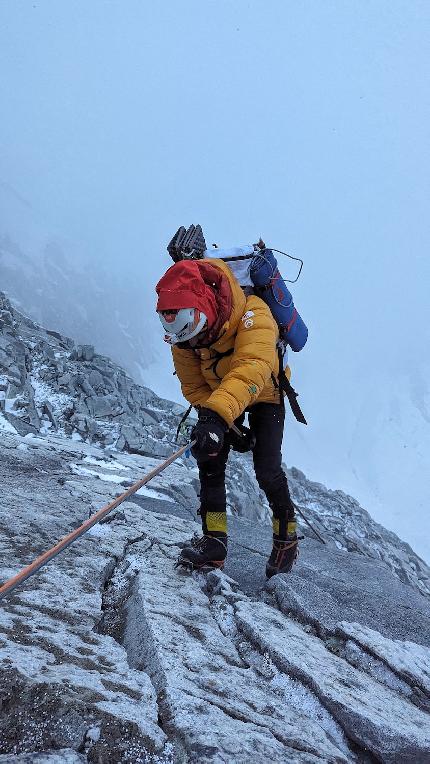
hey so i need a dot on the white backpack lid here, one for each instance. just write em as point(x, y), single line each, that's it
point(239, 268)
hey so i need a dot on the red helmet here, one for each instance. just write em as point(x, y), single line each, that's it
point(182, 324)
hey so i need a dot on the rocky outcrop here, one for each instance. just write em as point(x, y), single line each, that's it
point(49, 384)
point(110, 655)
point(64, 681)
point(347, 526)
point(87, 302)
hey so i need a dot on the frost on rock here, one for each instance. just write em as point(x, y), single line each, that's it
point(405, 658)
point(65, 756)
point(5, 425)
point(111, 656)
point(329, 586)
point(60, 677)
point(210, 698)
point(371, 714)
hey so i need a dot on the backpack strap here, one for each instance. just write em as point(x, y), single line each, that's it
point(184, 419)
point(213, 366)
point(286, 387)
point(237, 257)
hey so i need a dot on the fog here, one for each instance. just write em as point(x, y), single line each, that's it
point(303, 122)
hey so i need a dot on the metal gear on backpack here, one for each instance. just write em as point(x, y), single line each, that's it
point(187, 244)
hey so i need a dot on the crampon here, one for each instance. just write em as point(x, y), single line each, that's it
point(203, 553)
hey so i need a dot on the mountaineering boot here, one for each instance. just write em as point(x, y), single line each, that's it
point(204, 553)
point(283, 555)
point(285, 547)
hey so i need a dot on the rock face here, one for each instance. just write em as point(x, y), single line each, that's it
point(50, 385)
point(109, 655)
point(352, 529)
point(85, 302)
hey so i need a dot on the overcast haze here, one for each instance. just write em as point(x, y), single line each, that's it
point(304, 122)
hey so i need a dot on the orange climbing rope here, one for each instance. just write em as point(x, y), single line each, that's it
point(28, 571)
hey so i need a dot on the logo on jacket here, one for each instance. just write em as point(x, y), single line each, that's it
point(247, 319)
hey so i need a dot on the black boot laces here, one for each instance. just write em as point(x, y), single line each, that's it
point(202, 542)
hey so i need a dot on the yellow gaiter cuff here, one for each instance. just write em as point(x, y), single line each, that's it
point(216, 522)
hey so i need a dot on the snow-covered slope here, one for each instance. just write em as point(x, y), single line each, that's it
point(390, 450)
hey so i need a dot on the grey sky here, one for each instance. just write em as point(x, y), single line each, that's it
point(304, 122)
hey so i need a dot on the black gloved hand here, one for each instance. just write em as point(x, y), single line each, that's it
point(209, 433)
point(243, 440)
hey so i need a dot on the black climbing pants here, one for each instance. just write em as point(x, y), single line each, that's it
point(266, 420)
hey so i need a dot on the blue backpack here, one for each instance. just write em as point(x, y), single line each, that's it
point(258, 269)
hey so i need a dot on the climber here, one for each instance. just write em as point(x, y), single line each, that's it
point(224, 352)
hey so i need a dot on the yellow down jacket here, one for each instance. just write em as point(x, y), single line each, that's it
point(239, 368)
